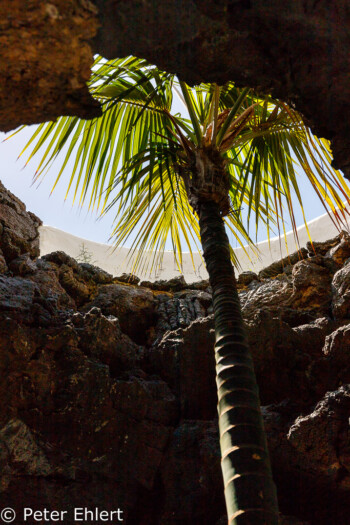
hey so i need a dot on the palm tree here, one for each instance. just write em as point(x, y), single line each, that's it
point(185, 178)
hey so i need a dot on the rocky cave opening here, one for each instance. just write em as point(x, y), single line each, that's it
point(131, 419)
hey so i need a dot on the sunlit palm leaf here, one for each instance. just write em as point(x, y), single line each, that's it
point(127, 159)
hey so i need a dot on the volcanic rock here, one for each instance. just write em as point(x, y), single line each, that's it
point(108, 389)
point(191, 350)
point(45, 61)
point(134, 306)
point(341, 293)
point(18, 228)
point(341, 251)
point(321, 439)
point(278, 267)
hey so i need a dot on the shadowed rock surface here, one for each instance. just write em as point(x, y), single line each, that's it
point(297, 50)
point(18, 229)
point(45, 60)
point(108, 395)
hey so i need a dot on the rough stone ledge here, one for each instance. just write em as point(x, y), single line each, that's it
point(297, 50)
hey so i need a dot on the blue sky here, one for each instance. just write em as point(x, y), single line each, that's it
point(53, 210)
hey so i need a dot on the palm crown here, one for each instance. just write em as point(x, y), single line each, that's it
point(137, 158)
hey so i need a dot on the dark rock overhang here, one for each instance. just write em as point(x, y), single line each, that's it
point(297, 49)
point(45, 61)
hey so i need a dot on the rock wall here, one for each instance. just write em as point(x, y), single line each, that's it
point(45, 60)
point(107, 387)
point(18, 231)
point(297, 49)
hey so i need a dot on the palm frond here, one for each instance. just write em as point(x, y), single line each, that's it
point(128, 158)
point(277, 148)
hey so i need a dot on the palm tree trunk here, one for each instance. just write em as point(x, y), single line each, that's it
point(250, 492)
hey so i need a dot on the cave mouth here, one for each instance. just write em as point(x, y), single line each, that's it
point(298, 51)
point(61, 408)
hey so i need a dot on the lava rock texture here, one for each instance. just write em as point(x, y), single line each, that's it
point(45, 60)
point(107, 389)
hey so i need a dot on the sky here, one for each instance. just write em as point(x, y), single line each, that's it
point(53, 210)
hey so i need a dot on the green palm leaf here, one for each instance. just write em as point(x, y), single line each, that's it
point(137, 124)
